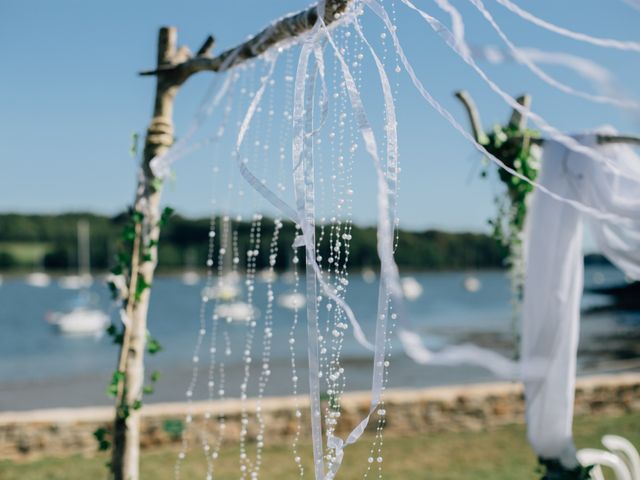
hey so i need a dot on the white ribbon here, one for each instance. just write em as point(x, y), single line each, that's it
point(633, 4)
point(594, 212)
point(303, 176)
point(582, 37)
point(553, 133)
point(389, 282)
point(522, 58)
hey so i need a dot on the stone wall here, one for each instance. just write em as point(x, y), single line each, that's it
point(454, 408)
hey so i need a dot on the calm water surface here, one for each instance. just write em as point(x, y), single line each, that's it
point(41, 368)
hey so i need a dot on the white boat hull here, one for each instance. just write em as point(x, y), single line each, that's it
point(81, 321)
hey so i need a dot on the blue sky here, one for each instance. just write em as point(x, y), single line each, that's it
point(70, 98)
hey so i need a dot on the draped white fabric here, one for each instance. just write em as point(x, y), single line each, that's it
point(553, 288)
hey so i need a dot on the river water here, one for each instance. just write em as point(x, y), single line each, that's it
point(39, 368)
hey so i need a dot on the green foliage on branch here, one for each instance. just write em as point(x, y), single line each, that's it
point(513, 148)
point(101, 434)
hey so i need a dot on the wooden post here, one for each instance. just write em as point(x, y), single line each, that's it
point(174, 66)
point(126, 438)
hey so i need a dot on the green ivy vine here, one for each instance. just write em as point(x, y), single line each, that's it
point(118, 284)
point(512, 145)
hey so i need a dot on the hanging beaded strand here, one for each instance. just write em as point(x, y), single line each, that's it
point(202, 330)
point(255, 236)
point(195, 362)
point(265, 372)
point(286, 132)
point(292, 353)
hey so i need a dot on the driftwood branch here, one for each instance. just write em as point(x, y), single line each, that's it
point(519, 121)
point(205, 49)
point(278, 32)
point(630, 139)
point(474, 116)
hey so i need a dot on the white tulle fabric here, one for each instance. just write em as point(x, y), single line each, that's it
point(553, 288)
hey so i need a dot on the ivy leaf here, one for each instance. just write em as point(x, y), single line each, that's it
point(148, 389)
point(128, 233)
point(141, 286)
point(133, 150)
point(153, 346)
point(112, 389)
point(100, 435)
point(137, 405)
point(166, 214)
point(113, 290)
point(112, 330)
point(123, 259)
point(173, 427)
point(156, 184)
point(137, 217)
point(155, 376)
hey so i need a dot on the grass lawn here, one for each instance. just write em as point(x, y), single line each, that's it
point(500, 454)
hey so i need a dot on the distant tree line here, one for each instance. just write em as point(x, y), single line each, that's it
point(184, 243)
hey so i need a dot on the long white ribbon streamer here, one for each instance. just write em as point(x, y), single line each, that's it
point(582, 37)
point(389, 278)
point(304, 217)
point(601, 79)
point(303, 176)
point(552, 132)
point(633, 4)
point(596, 74)
point(390, 284)
point(457, 23)
point(292, 214)
point(522, 58)
point(379, 10)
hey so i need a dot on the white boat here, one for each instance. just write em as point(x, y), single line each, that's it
point(411, 288)
point(38, 279)
point(267, 275)
point(75, 282)
point(82, 318)
point(472, 284)
point(83, 279)
point(224, 290)
point(237, 312)
point(292, 301)
point(80, 321)
point(368, 275)
point(190, 277)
